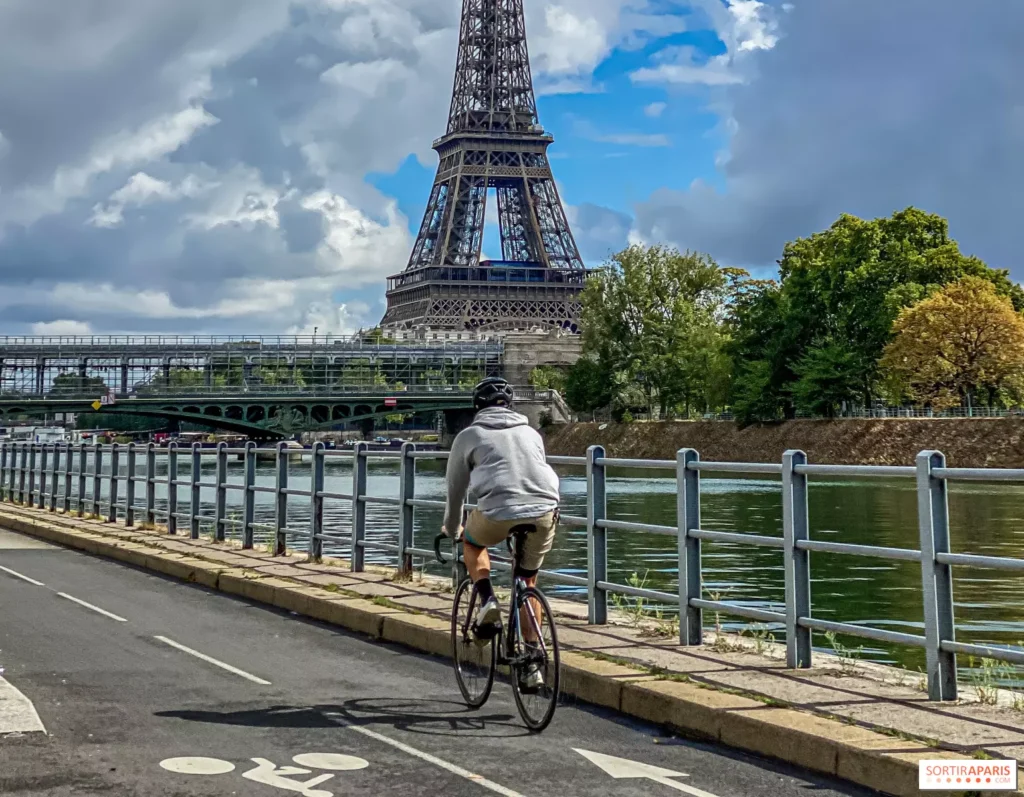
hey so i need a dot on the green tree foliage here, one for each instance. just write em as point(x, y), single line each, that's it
point(588, 386)
point(841, 289)
point(827, 378)
point(75, 386)
point(652, 321)
point(548, 377)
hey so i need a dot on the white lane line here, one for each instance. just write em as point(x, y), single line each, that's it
point(490, 785)
point(17, 714)
point(213, 661)
point(96, 609)
point(16, 574)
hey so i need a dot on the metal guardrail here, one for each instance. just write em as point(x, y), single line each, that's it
point(46, 476)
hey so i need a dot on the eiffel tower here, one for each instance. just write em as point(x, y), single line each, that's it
point(494, 141)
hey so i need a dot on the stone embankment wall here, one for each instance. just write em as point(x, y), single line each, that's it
point(967, 443)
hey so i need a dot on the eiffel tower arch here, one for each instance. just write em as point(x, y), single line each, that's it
point(494, 141)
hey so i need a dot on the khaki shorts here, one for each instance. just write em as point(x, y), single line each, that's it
point(483, 532)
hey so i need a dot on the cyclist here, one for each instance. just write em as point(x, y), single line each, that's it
point(500, 460)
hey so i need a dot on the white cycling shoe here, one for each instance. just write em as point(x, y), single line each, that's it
point(487, 619)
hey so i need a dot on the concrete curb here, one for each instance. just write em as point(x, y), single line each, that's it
point(884, 763)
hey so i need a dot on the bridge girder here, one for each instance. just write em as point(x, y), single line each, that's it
point(266, 417)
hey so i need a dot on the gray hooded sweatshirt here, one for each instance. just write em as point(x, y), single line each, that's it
point(502, 463)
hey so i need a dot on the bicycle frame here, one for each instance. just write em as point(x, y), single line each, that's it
point(507, 633)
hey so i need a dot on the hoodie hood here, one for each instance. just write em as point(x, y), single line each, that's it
point(500, 418)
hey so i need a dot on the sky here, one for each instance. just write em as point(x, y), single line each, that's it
point(260, 166)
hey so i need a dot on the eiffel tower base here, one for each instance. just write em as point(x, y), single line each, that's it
point(453, 306)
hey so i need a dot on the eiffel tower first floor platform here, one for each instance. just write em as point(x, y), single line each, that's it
point(491, 297)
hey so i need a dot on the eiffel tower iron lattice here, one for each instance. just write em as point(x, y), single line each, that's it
point(494, 141)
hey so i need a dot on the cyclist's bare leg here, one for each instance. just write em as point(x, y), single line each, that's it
point(525, 620)
point(478, 561)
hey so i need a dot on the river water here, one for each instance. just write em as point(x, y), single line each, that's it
point(985, 519)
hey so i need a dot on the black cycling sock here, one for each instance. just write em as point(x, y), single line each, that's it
point(484, 590)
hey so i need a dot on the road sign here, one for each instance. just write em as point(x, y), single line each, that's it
point(623, 768)
point(390, 402)
point(96, 405)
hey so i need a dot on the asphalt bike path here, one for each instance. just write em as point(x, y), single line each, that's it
point(147, 685)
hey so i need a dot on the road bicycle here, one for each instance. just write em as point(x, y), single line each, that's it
point(527, 637)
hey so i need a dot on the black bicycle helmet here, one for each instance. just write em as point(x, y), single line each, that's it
point(493, 392)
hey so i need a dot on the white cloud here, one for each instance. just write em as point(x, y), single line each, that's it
point(337, 321)
point(655, 109)
point(65, 328)
point(142, 189)
point(743, 26)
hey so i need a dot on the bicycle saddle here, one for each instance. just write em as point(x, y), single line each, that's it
point(525, 528)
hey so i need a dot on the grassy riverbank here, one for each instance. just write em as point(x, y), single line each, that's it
point(978, 442)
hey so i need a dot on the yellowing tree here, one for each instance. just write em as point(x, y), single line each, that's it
point(962, 339)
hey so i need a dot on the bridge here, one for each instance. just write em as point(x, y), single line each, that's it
point(267, 388)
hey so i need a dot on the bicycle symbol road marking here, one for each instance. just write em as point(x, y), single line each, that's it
point(269, 774)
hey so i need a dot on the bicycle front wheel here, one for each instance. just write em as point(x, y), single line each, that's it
point(535, 664)
point(474, 662)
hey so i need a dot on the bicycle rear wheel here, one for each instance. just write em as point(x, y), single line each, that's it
point(474, 663)
point(535, 645)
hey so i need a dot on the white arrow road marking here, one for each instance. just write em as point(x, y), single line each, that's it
point(17, 714)
point(213, 661)
point(96, 609)
point(479, 780)
point(620, 768)
point(16, 574)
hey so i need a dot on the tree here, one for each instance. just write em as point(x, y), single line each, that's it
point(651, 318)
point(849, 284)
point(74, 386)
point(827, 378)
point(588, 387)
point(962, 339)
point(548, 377)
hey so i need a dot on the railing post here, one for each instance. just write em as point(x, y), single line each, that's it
point(359, 474)
point(195, 504)
point(54, 469)
point(249, 496)
point(97, 478)
point(406, 511)
point(68, 470)
point(115, 466)
point(597, 537)
point(3, 471)
point(936, 577)
point(172, 488)
point(316, 505)
point(796, 528)
point(281, 502)
point(221, 496)
point(129, 490)
point(22, 475)
point(44, 463)
point(691, 618)
point(83, 467)
point(151, 484)
point(32, 475)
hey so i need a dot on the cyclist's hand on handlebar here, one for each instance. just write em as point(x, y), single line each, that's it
point(456, 536)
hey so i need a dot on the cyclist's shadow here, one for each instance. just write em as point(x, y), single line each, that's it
point(431, 717)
